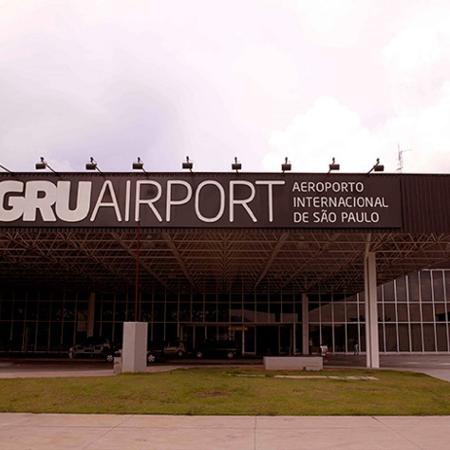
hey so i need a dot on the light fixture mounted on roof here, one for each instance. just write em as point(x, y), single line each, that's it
point(139, 165)
point(286, 166)
point(237, 166)
point(43, 164)
point(377, 167)
point(333, 165)
point(188, 164)
point(92, 165)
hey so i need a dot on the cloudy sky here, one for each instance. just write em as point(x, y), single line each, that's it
point(257, 79)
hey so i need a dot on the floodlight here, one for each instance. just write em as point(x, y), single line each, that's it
point(377, 167)
point(237, 166)
point(333, 165)
point(139, 164)
point(92, 164)
point(43, 164)
point(286, 167)
point(188, 165)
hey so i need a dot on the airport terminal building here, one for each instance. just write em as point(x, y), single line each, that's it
point(279, 263)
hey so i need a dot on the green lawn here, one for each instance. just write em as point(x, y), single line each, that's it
point(231, 391)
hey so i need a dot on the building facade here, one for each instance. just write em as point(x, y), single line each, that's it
point(280, 263)
point(413, 316)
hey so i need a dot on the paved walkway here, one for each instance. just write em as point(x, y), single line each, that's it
point(111, 432)
point(434, 365)
point(55, 370)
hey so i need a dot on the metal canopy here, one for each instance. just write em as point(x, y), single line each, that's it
point(213, 260)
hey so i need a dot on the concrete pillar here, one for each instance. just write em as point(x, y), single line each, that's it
point(134, 347)
point(305, 325)
point(370, 290)
point(91, 314)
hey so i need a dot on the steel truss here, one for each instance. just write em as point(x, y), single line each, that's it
point(214, 260)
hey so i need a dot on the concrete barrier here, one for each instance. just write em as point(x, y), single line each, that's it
point(293, 362)
point(134, 347)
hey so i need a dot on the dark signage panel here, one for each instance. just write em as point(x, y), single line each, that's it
point(216, 200)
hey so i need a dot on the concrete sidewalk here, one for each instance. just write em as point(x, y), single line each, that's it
point(109, 432)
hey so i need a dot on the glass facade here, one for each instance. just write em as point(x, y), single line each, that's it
point(40, 320)
point(336, 320)
point(413, 316)
point(414, 313)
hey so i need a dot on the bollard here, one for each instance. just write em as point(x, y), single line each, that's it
point(117, 368)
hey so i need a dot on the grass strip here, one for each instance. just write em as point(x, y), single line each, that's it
point(247, 392)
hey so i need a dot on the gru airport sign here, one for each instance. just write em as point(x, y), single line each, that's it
point(201, 200)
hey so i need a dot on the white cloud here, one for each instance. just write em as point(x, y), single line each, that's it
point(424, 42)
point(334, 23)
point(417, 58)
point(416, 64)
point(267, 71)
point(161, 80)
point(426, 131)
point(330, 128)
point(155, 79)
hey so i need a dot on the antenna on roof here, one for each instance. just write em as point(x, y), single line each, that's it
point(400, 157)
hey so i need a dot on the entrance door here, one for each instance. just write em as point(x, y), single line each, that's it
point(244, 337)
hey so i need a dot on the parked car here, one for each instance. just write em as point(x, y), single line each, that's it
point(93, 347)
point(217, 349)
point(160, 352)
point(151, 356)
point(175, 349)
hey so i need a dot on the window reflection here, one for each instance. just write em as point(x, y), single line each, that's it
point(413, 315)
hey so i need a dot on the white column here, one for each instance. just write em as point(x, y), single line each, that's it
point(134, 347)
point(91, 314)
point(370, 290)
point(305, 325)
